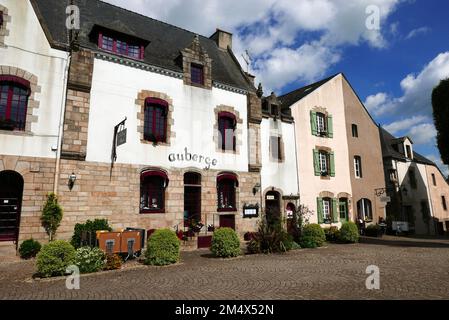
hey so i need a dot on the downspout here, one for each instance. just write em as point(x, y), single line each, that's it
point(297, 163)
point(61, 122)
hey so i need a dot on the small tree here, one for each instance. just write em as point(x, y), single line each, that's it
point(300, 218)
point(440, 104)
point(51, 215)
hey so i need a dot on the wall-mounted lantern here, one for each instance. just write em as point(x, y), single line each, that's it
point(256, 188)
point(72, 179)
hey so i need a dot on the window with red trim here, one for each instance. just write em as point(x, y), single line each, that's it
point(152, 192)
point(14, 94)
point(226, 188)
point(155, 120)
point(120, 46)
point(226, 128)
point(197, 74)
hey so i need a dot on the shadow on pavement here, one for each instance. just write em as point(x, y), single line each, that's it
point(406, 242)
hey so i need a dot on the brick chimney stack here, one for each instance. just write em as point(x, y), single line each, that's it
point(223, 39)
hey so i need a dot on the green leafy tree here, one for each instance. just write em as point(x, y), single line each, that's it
point(440, 103)
point(51, 215)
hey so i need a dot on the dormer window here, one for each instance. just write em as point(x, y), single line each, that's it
point(197, 74)
point(121, 46)
point(274, 110)
point(408, 150)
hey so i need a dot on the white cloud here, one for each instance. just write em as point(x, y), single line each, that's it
point(416, 90)
point(417, 32)
point(404, 124)
point(423, 134)
point(379, 104)
point(271, 30)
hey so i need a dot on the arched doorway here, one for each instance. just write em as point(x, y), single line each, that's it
point(273, 206)
point(11, 191)
point(192, 198)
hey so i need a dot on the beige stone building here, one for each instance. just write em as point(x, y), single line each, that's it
point(339, 153)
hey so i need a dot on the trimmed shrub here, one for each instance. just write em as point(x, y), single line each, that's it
point(225, 243)
point(29, 249)
point(349, 233)
point(332, 234)
point(113, 262)
point(89, 226)
point(312, 236)
point(54, 258)
point(373, 230)
point(295, 246)
point(51, 215)
point(162, 248)
point(89, 259)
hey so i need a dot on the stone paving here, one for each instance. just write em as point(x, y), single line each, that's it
point(414, 270)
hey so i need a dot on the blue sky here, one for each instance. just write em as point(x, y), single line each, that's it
point(292, 43)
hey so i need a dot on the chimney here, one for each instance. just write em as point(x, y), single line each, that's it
point(250, 77)
point(222, 38)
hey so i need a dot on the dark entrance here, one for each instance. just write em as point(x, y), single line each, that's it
point(273, 207)
point(11, 190)
point(192, 198)
point(227, 221)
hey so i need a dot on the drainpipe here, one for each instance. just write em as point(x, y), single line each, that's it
point(61, 122)
point(297, 163)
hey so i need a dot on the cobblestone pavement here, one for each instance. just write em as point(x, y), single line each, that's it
point(332, 272)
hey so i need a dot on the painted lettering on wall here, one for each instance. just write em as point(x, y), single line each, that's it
point(186, 156)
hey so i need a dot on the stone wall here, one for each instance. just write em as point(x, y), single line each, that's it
point(76, 118)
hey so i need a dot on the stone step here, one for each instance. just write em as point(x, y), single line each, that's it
point(8, 251)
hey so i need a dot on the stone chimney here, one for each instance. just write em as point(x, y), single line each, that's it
point(222, 38)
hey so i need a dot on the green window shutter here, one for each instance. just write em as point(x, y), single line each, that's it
point(334, 211)
point(319, 210)
point(313, 123)
point(332, 163)
point(330, 126)
point(316, 162)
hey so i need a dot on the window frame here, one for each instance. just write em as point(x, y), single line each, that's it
point(197, 74)
point(321, 117)
point(355, 131)
point(444, 203)
point(15, 100)
point(323, 155)
point(329, 209)
point(434, 179)
point(278, 149)
point(229, 182)
point(364, 202)
point(156, 104)
point(154, 175)
point(114, 46)
point(222, 129)
point(358, 167)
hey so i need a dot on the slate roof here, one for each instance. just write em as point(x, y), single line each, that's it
point(166, 41)
point(388, 140)
point(291, 98)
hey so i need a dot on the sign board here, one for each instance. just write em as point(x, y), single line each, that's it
point(251, 211)
point(289, 214)
point(400, 226)
point(121, 137)
point(270, 197)
point(385, 199)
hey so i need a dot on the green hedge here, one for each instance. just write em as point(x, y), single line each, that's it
point(225, 243)
point(54, 258)
point(312, 236)
point(163, 248)
point(89, 226)
point(349, 233)
point(29, 249)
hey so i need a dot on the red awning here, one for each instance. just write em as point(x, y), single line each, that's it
point(154, 173)
point(228, 176)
